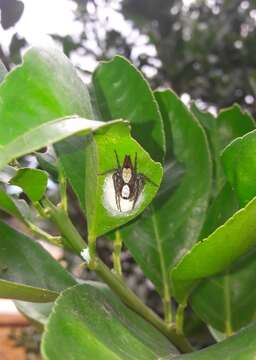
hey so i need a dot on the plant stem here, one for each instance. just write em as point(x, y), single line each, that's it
point(55, 240)
point(63, 188)
point(58, 215)
point(134, 303)
point(167, 305)
point(67, 229)
point(117, 253)
point(180, 318)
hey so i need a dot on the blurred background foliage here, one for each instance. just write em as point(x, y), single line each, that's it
point(203, 49)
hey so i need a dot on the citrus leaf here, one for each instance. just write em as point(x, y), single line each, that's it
point(45, 134)
point(121, 92)
point(89, 321)
point(45, 87)
point(103, 212)
point(229, 124)
point(240, 166)
point(132, 100)
point(12, 290)
point(173, 222)
point(223, 301)
point(32, 181)
point(237, 347)
point(227, 301)
point(25, 262)
point(217, 252)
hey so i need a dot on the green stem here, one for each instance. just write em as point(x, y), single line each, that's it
point(67, 229)
point(134, 303)
point(117, 253)
point(180, 318)
point(228, 323)
point(41, 211)
point(63, 188)
point(55, 240)
point(167, 305)
point(61, 219)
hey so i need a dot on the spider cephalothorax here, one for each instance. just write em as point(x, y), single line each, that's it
point(128, 184)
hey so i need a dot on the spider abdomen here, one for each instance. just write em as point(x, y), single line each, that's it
point(126, 192)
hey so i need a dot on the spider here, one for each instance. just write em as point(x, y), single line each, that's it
point(128, 184)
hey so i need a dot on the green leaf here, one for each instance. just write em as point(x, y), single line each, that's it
point(223, 206)
point(227, 301)
point(215, 253)
point(173, 223)
point(46, 134)
point(229, 124)
point(14, 207)
point(90, 322)
point(218, 300)
point(12, 290)
point(241, 346)
point(48, 162)
point(32, 181)
point(45, 87)
point(240, 166)
point(121, 91)
point(102, 210)
point(36, 312)
point(134, 103)
point(71, 153)
point(25, 262)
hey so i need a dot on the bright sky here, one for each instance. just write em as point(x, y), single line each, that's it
point(41, 18)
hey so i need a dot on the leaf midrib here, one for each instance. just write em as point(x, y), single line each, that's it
point(166, 288)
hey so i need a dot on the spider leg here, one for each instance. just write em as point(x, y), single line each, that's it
point(117, 190)
point(147, 179)
point(107, 172)
point(117, 160)
point(135, 164)
point(138, 187)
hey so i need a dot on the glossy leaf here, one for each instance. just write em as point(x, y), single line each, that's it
point(219, 298)
point(90, 322)
point(240, 166)
point(103, 213)
point(45, 134)
point(121, 92)
point(14, 207)
point(229, 124)
point(32, 181)
point(71, 153)
point(241, 346)
point(12, 290)
point(38, 313)
point(217, 252)
point(45, 87)
point(48, 162)
point(227, 301)
point(173, 223)
point(223, 206)
point(25, 262)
